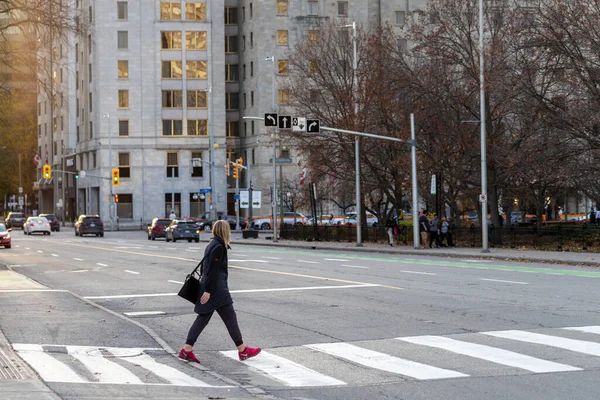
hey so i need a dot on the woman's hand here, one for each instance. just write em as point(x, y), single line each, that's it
point(204, 298)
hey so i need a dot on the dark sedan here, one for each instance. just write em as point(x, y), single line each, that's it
point(54, 222)
point(231, 220)
point(89, 225)
point(183, 230)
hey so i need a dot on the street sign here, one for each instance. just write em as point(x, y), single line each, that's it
point(205, 190)
point(433, 185)
point(236, 196)
point(82, 174)
point(196, 162)
point(20, 190)
point(244, 199)
point(313, 126)
point(256, 199)
point(281, 160)
point(285, 121)
point(483, 198)
point(270, 119)
point(299, 124)
point(21, 201)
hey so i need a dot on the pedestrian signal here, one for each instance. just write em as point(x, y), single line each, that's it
point(116, 198)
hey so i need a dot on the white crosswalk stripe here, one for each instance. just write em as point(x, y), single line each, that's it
point(492, 354)
point(587, 329)
point(579, 346)
point(100, 362)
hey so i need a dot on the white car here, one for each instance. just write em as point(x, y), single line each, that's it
point(36, 225)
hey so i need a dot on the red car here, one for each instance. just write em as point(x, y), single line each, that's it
point(5, 236)
point(157, 228)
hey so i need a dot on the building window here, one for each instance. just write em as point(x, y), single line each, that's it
point(125, 206)
point(282, 7)
point(197, 165)
point(252, 98)
point(172, 127)
point(252, 127)
point(91, 103)
point(124, 127)
point(313, 66)
point(124, 168)
point(400, 18)
point(195, 40)
point(89, 44)
point(314, 95)
point(91, 130)
point(233, 128)
point(172, 166)
point(172, 204)
point(197, 99)
point(250, 10)
point(231, 15)
point(123, 98)
point(231, 44)
point(170, 40)
point(172, 99)
point(232, 101)
point(251, 39)
point(284, 97)
point(91, 16)
point(245, 101)
point(253, 158)
point(122, 40)
point(283, 67)
point(195, 11)
point(171, 70)
point(170, 11)
point(342, 8)
point(244, 72)
point(94, 160)
point(251, 69)
point(313, 8)
point(196, 70)
point(123, 69)
point(282, 38)
point(231, 73)
point(313, 37)
point(197, 127)
point(121, 10)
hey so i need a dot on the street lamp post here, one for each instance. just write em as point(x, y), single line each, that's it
point(110, 165)
point(484, 208)
point(212, 147)
point(274, 205)
point(357, 139)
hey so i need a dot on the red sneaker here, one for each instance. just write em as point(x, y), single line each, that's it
point(249, 352)
point(188, 356)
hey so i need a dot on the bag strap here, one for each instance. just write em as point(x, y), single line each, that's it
point(198, 266)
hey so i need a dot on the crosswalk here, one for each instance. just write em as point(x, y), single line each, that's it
point(422, 358)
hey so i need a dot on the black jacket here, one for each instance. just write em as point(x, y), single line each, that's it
point(214, 277)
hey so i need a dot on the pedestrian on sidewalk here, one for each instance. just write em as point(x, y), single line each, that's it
point(216, 296)
point(597, 215)
point(391, 227)
point(445, 227)
point(423, 228)
point(434, 231)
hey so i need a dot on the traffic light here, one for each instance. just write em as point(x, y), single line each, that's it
point(226, 169)
point(116, 179)
point(116, 198)
point(209, 197)
point(240, 161)
point(76, 174)
point(236, 171)
point(47, 171)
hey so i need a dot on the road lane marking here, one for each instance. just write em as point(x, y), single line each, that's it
point(258, 261)
point(48, 367)
point(384, 362)
point(271, 258)
point(132, 296)
point(102, 265)
point(286, 371)
point(488, 353)
point(579, 346)
point(308, 262)
point(131, 272)
point(177, 282)
point(336, 259)
point(418, 272)
point(476, 261)
point(191, 251)
point(354, 266)
point(80, 270)
point(39, 251)
point(195, 261)
point(54, 255)
point(499, 280)
point(144, 313)
point(27, 248)
point(32, 290)
point(586, 329)
point(78, 259)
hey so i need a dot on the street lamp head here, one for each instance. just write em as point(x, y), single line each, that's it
point(269, 58)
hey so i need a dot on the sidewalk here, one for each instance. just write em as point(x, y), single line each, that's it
point(518, 255)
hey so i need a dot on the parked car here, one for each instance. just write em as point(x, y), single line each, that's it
point(15, 220)
point(89, 225)
point(265, 222)
point(182, 230)
point(207, 225)
point(5, 236)
point(371, 219)
point(54, 222)
point(36, 225)
point(156, 229)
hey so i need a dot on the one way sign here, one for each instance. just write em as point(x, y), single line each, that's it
point(313, 126)
point(270, 119)
point(285, 121)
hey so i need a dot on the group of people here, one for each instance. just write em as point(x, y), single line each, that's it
point(435, 231)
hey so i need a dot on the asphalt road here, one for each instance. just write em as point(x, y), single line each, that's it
point(332, 325)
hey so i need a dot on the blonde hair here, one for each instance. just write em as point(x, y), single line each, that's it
point(221, 229)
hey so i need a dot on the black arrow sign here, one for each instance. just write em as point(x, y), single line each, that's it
point(313, 126)
point(285, 121)
point(270, 119)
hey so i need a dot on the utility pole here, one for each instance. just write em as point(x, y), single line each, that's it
point(484, 205)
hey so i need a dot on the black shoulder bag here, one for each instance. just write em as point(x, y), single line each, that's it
point(192, 287)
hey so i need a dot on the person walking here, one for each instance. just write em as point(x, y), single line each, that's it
point(444, 233)
point(216, 296)
point(391, 227)
point(423, 228)
point(172, 215)
point(597, 215)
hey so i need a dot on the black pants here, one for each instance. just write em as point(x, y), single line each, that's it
point(227, 314)
point(433, 237)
